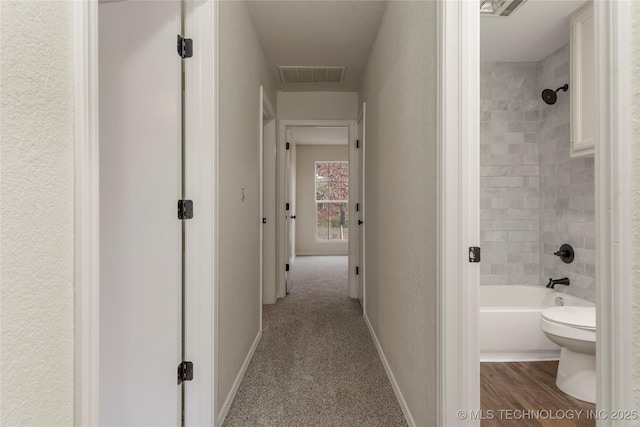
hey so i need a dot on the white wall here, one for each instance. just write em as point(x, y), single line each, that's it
point(635, 211)
point(306, 242)
point(37, 213)
point(399, 88)
point(242, 70)
point(318, 105)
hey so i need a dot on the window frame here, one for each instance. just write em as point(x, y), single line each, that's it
point(316, 202)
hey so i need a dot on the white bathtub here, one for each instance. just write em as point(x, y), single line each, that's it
point(510, 322)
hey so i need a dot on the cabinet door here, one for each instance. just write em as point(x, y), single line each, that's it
point(583, 69)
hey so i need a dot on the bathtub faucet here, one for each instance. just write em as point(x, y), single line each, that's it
point(553, 282)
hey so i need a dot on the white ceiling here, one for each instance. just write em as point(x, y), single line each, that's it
point(341, 33)
point(320, 135)
point(332, 33)
point(533, 31)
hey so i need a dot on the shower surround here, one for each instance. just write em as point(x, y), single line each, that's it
point(533, 196)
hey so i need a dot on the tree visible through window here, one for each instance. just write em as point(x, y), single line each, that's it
point(332, 200)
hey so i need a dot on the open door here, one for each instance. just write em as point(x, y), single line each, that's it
point(140, 233)
point(360, 207)
point(268, 198)
point(288, 214)
point(292, 199)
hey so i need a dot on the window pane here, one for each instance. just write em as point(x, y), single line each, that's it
point(332, 181)
point(332, 221)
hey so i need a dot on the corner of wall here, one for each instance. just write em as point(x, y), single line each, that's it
point(400, 189)
point(239, 299)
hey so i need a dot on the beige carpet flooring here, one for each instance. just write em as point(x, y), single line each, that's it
point(316, 364)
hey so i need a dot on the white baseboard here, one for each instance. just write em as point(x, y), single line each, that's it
point(520, 357)
point(236, 384)
point(320, 254)
point(392, 378)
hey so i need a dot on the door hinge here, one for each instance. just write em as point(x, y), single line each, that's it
point(264, 220)
point(286, 267)
point(185, 372)
point(185, 47)
point(286, 206)
point(357, 207)
point(357, 270)
point(185, 209)
point(360, 222)
point(288, 145)
point(357, 143)
point(474, 254)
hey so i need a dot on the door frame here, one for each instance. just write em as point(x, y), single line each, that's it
point(613, 173)
point(360, 191)
point(458, 99)
point(267, 112)
point(458, 220)
point(202, 22)
point(283, 125)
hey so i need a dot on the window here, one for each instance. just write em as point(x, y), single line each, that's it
point(332, 200)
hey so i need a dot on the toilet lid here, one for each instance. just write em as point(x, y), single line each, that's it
point(571, 315)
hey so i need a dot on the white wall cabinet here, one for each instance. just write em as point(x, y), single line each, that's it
point(583, 68)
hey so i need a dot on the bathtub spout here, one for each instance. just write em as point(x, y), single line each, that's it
point(553, 282)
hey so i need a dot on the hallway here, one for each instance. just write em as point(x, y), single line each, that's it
point(316, 363)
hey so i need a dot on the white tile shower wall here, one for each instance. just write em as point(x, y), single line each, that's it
point(510, 126)
point(567, 189)
point(533, 196)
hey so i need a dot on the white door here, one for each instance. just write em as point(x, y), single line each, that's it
point(292, 199)
point(269, 246)
point(140, 235)
point(360, 207)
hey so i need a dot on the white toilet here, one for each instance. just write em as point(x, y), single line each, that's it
point(574, 329)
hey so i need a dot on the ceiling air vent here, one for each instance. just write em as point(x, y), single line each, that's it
point(499, 7)
point(304, 74)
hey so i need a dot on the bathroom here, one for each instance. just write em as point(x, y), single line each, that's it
point(536, 195)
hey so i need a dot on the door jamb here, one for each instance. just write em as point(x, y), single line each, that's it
point(87, 226)
point(613, 166)
point(458, 213)
point(201, 151)
point(202, 332)
point(283, 125)
point(361, 214)
point(266, 110)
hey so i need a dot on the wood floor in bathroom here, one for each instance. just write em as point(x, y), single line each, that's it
point(525, 394)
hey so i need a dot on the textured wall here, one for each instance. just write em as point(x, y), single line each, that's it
point(318, 105)
point(399, 88)
point(533, 195)
point(509, 191)
point(239, 273)
point(306, 242)
point(635, 202)
point(567, 189)
point(36, 194)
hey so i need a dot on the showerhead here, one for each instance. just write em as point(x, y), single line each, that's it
point(550, 96)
